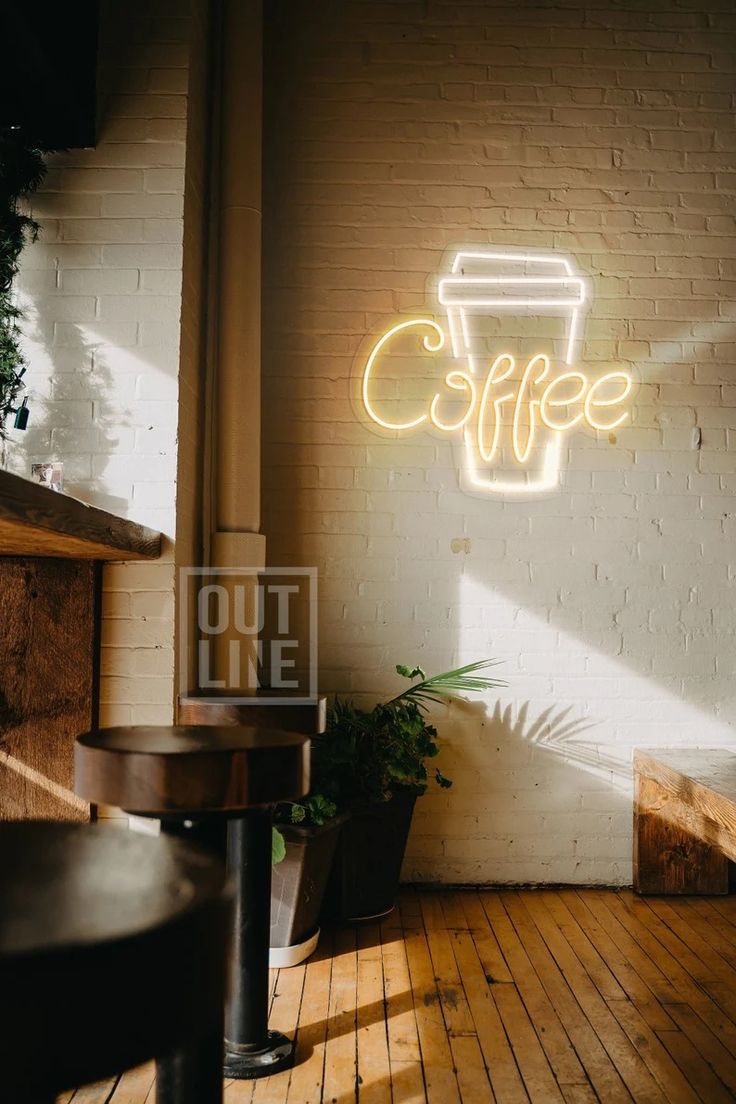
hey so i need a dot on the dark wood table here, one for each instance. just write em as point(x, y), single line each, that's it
point(52, 548)
point(197, 780)
point(95, 924)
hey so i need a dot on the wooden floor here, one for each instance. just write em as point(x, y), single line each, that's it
point(511, 996)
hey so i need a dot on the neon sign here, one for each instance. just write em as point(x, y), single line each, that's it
point(512, 408)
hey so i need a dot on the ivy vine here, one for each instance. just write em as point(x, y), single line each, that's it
point(21, 171)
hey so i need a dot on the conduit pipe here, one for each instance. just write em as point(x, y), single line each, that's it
point(235, 305)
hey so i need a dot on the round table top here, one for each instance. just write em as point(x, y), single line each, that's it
point(190, 770)
point(112, 951)
point(188, 739)
point(80, 885)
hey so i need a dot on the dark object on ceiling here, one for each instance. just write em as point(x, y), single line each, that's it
point(48, 74)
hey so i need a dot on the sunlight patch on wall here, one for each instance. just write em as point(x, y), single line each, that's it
point(542, 770)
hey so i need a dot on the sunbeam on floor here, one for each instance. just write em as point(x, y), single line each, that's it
point(470, 997)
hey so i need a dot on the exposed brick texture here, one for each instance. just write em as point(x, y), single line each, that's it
point(394, 131)
point(102, 289)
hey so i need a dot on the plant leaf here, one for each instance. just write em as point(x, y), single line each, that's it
point(278, 846)
point(410, 672)
point(448, 684)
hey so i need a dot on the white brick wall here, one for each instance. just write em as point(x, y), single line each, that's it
point(395, 131)
point(102, 289)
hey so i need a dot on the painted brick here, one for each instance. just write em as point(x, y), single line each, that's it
point(112, 247)
point(602, 133)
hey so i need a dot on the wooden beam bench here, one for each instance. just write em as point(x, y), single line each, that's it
point(684, 820)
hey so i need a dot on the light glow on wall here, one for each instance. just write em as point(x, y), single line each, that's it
point(431, 347)
point(519, 404)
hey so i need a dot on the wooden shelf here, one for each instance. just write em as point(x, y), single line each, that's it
point(266, 708)
point(35, 521)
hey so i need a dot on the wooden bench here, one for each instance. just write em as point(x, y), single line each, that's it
point(684, 820)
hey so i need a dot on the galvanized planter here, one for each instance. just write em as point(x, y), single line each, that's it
point(298, 884)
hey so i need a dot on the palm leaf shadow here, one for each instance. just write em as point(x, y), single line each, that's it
point(556, 731)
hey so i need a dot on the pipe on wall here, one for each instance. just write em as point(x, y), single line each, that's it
point(235, 306)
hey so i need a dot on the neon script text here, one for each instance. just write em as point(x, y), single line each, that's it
point(524, 400)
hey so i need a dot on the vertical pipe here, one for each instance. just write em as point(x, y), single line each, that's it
point(231, 511)
point(238, 372)
point(235, 396)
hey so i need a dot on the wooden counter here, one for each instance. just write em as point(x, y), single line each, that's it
point(35, 521)
point(52, 548)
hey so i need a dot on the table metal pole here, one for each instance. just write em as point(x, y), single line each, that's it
point(251, 1050)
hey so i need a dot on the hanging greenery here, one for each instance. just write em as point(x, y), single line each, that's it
point(21, 171)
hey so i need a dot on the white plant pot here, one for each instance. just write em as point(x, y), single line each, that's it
point(280, 958)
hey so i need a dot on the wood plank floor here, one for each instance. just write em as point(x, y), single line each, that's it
point(509, 996)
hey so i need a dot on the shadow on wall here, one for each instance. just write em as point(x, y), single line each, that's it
point(534, 799)
point(83, 362)
point(553, 728)
point(72, 419)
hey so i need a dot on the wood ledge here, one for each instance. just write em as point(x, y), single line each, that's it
point(36, 521)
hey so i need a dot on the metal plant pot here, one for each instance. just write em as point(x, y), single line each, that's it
point(298, 883)
point(365, 873)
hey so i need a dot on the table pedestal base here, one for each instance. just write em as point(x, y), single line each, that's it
point(244, 1064)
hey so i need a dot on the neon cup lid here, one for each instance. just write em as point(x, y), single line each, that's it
point(496, 280)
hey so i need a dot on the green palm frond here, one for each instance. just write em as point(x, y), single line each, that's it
point(367, 755)
point(437, 688)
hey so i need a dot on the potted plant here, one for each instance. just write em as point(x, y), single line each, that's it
point(374, 764)
point(304, 839)
point(346, 840)
point(21, 170)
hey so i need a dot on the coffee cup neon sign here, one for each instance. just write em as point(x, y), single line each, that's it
point(512, 408)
